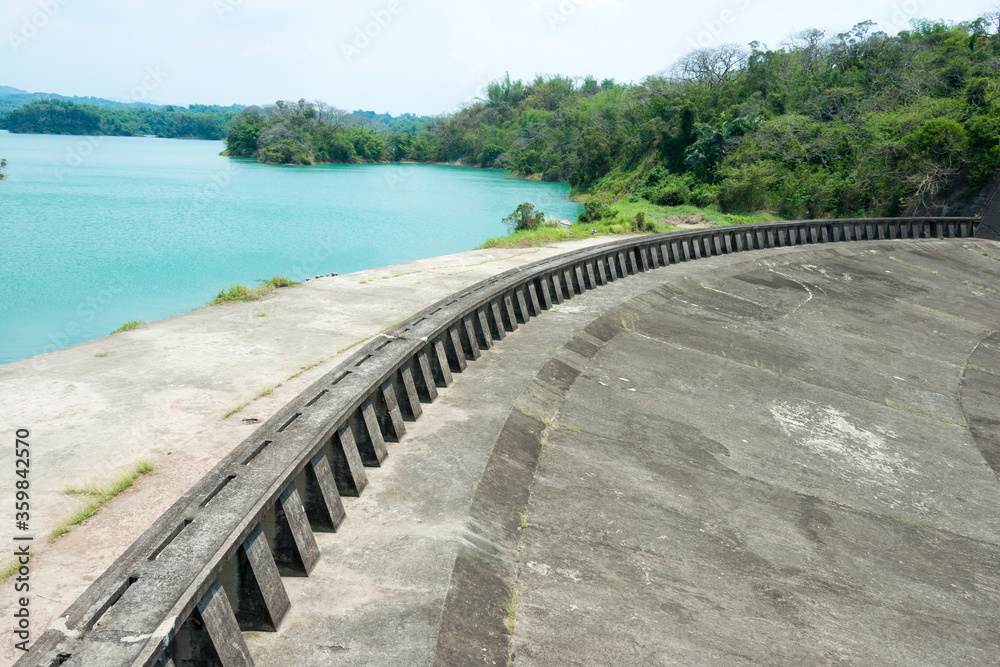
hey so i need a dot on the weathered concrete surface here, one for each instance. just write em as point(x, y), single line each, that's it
point(160, 393)
point(776, 457)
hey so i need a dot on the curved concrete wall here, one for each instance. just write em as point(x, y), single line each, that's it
point(211, 566)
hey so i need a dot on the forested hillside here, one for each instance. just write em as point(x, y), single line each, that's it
point(861, 123)
point(56, 116)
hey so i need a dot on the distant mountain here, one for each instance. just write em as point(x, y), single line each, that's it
point(12, 97)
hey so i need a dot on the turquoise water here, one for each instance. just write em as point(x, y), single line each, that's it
point(95, 232)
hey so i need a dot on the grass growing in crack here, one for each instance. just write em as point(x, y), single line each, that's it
point(972, 367)
point(303, 370)
point(510, 618)
point(266, 391)
point(353, 345)
point(128, 326)
point(96, 494)
point(979, 287)
point(985, 254)
point(243, 292)
point(238, 409)
point(524, 521)
point(100, 354)
point(11, 567)
point(940, 314)
point(913, 266)
point(629, 325)
point(890, 404)
point(759, 365)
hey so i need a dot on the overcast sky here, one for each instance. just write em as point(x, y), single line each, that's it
point(421, 56)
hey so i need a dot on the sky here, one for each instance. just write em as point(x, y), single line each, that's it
point(419, 56)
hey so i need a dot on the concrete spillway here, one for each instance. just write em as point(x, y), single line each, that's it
point(717, 460)
point(773, 459)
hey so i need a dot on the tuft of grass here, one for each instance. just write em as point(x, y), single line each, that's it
point(510, 617)
point(913, 266)
point(345, 349)
point(535, 237)
point(890, 404)
point(236, 410)
point(243, 292)
point(266, 391)
point(11, 567)
point(629, 325)
point(128, 326)
point(979, 287)
point(261, 393)
point(97, 493)
point(303, 370)
point(280, 281)
point(261, 314)
point(100, 353)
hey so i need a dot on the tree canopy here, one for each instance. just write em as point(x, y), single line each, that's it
point(858, 123)
point(56, 116)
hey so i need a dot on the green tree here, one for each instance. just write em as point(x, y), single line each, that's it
point(524, 217)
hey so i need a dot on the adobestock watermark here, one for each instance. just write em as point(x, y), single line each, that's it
point(563, 12)
point(86, 312)
point(78, 151)
point(225, 7)
point(323, 248)
point(902, 13)
point(32, 25)
point(714, 29)
point(365, 35)
point(211, 189)
point(398, 175)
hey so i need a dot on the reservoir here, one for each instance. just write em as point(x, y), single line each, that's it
point(99, 231)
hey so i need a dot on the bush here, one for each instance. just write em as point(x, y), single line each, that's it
point(642, 224)
point(524, 217)
point(595, 210)
point(664, 188)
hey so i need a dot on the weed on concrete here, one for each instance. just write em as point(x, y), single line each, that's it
point(944, 420)
point(243, 292)
point(96, 494)
point(128, 326)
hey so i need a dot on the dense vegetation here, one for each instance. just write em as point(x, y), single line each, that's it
point(55, 116)
point(307, 133)
point(859, 124)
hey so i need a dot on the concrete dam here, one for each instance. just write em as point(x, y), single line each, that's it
point(767, 444)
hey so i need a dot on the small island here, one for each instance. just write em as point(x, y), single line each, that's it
point(306, 133)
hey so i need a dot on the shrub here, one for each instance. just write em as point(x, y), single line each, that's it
point(524, 217)
point(596, 209)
